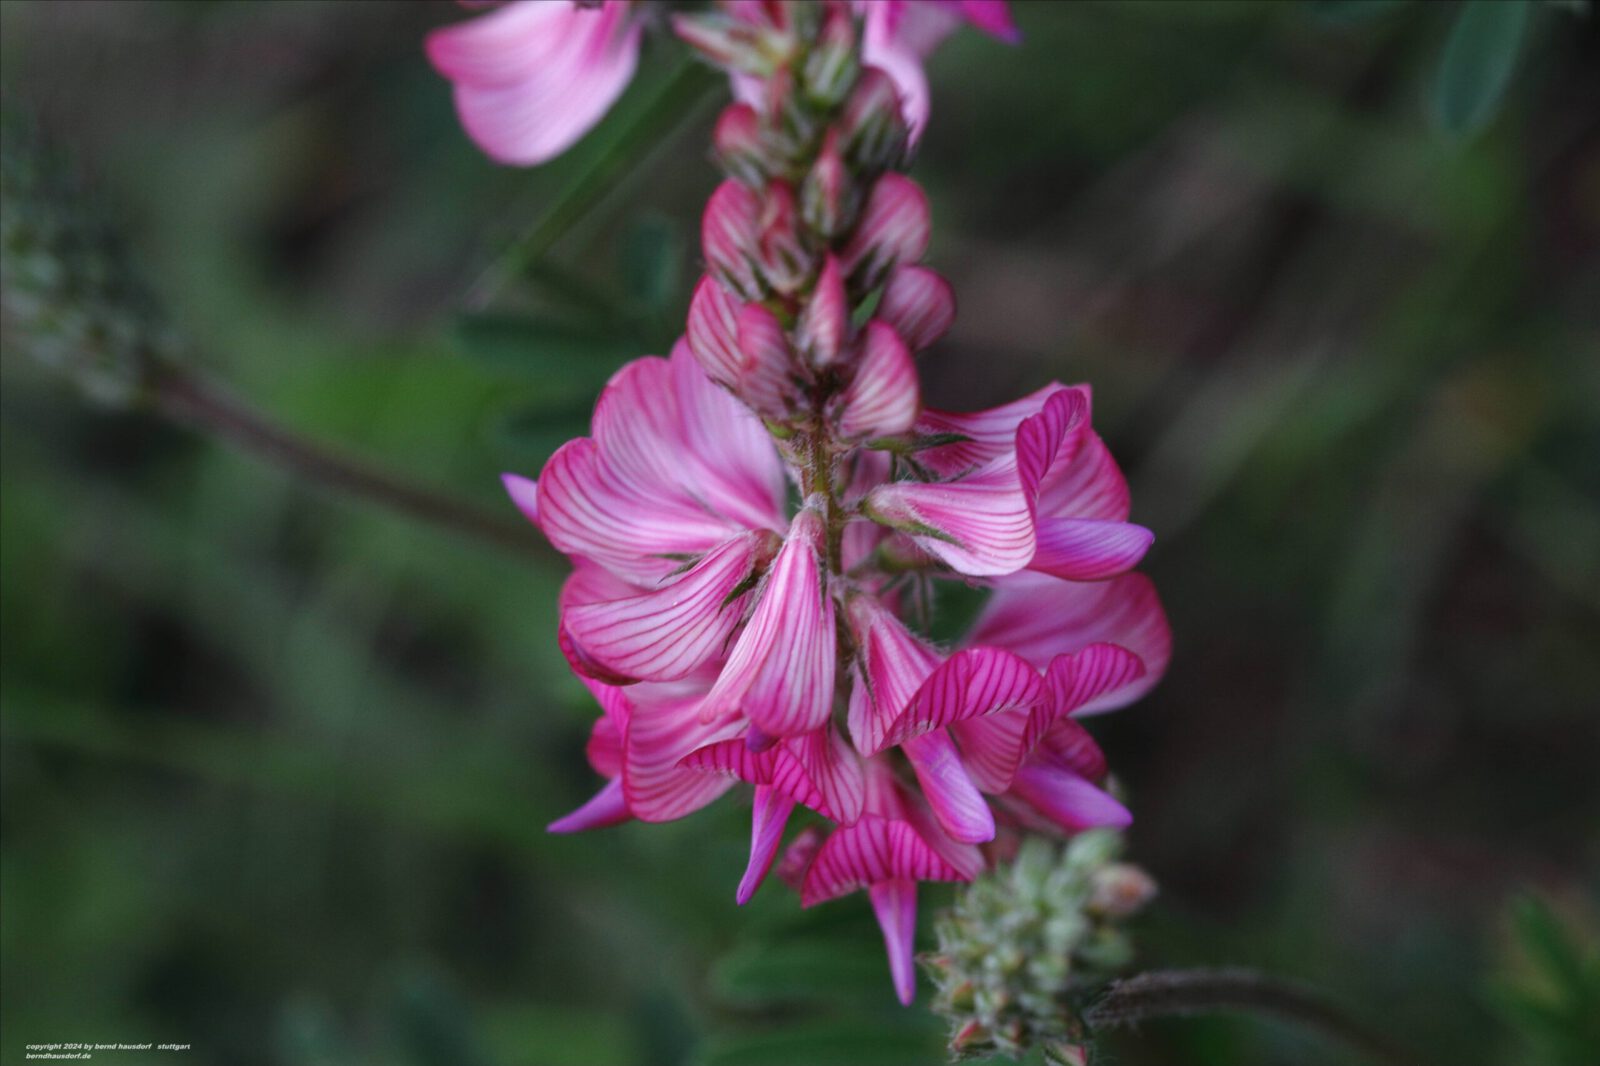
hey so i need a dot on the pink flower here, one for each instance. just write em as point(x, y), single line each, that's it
point(901, 34)
point(533, 76)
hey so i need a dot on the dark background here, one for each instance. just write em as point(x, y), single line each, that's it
point(276, 763)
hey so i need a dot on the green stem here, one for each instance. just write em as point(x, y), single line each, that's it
point(1184, 993)
point(684, 88)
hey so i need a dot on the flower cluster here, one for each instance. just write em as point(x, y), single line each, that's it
point(758, 522)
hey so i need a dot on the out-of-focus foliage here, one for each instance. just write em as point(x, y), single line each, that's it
point(1550, 992)
point(274, 766)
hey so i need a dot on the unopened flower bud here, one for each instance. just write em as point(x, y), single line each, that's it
point(1120, 890)
point(784, 261)
point(831, 68)
point(728, 234)
point(893, 229)
point(827, 194)
point(739, 145)
point(919, 304)
point(824, 324)
point(873, 124)
point(727, 41)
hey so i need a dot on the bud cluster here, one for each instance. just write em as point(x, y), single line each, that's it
point(68, 287)
point(1025, 943)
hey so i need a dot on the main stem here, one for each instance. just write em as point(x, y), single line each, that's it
point(1182, 993)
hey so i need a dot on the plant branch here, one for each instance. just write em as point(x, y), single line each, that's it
point(1182, 993)
point(200, 405)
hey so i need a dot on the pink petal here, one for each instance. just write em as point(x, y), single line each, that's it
point(959, 808)
point(524, 493)
point(882, 399)
point(970, 684)
point(604, 750)
point(765, 383)
point(607, 807)
point(1077, 680)
point(713, 332)
point(796, 861)
point(891, 665)
point(893, 228)
point(895, 904)
point(729, 462)
point(1087, 549)
point(1040, 617)
point(993, 747)
point(1050, 437)
point(656, 739)
point(668, 632)
point(824, 324)
point(992, 17)
point(728, 235)
point(980, 527)
point(835, 770)
point(781, 671)
point(770, 815)
point(1089, 485)
point(1069, 745)
point(875, 849)
point(989, 435)
point(919, 304)
point(530, 79)
point(1067, 799)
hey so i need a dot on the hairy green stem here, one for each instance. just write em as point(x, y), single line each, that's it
point(194, 402)
point(1184, 993)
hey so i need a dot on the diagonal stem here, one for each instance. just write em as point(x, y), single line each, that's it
point(1184, 993)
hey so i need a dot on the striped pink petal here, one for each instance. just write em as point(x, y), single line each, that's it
point(1069, 745)
point(993, 747)
point(667, 632)
point(950, 792)
point(604, 750)
point(986, 435)
point(970, 684)
point(765, 382)
point(893, 229)
point(780, 673)
point(882, 399)
point(1089, 485)
point(532, 78)
point(713, 332)
point(1088, 549)
point(873, 850)
point(1067, 799)
point(895, 905)
point(1040, 617)
point(657, 738)
point(919, 304)
point(836, 771)
point(607, 807)
point(891, 665)
point(767, 819)
point(1079, 679)
point(981, 526)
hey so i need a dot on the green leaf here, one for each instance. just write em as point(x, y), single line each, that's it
point(1547, 944)
point(564, 357)
point(526, 432)
point(432, 1024)
point(1479, 57)
point(652, 252)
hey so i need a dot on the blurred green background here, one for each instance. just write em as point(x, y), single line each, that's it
point(276, 763)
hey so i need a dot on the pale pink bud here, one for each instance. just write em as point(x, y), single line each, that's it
point(726, 41)
point(919, 304)
point(1120, 890)
point(728, 232)
point(738, 143)
point(893, 229)
point(824, 324)
point(769, 362)
point(883, 399)
point(826, 195)
point(874, 125)
point(834, 61)
point(713, 332)
point(783, 257)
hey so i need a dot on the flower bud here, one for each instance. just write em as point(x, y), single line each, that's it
point(1120, 890)
point(739, 145)
point(874, 125)
point(784, 261)
point(919, 304)
point(728, 232)
point(827, 195)
point(893, 229)
point(735, 44)
point(831, 68)
point(824, 324)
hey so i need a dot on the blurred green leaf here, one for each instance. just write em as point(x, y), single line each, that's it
point(1554, 1007)
point(853, 1042)
point(1479, 57)
point(804, 970)
point(526, 432)
point(651, 254)
point(565, 358)
point(1547, 943)
point(432, 1024)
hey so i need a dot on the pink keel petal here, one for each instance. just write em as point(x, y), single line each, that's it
point(970, 684)
point(770, 815)
point(825, 322)
point(980, 527)
point(955, 800)
point(874, 849)
point(993, 747)
point(607, 807)
point(1085, 549)
point(895, 904)
point(882, 399)
point(657, 738)
point(667, 633)
point(1078, 679)
point(1067, 799)
point(919, 304)
point(891, 666)
point(893, 229)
